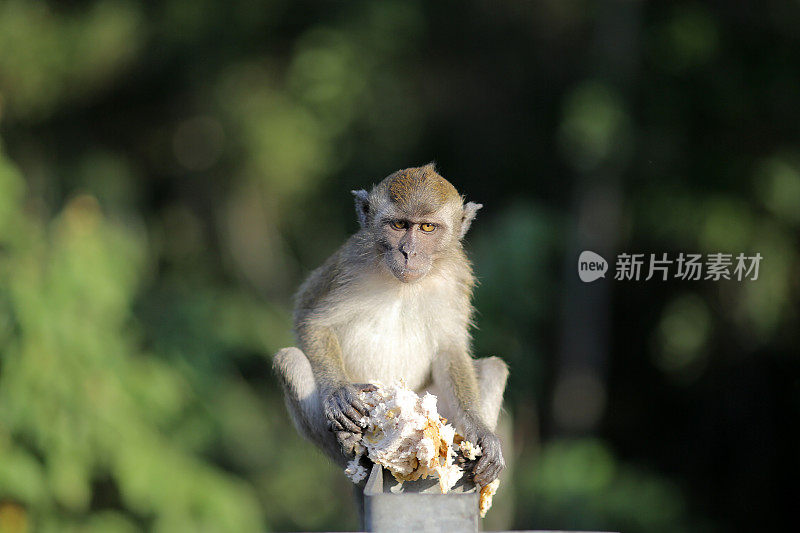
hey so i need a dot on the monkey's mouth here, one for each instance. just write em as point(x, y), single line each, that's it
point(408, 271)
point(409, 276)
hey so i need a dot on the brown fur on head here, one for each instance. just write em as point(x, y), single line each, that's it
point(420, 186)
point(414, 216)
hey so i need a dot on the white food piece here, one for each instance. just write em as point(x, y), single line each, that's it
point(355, 471)
point(470, 451)
point(405, 434)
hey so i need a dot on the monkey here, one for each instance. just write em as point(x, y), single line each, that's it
point(394, 302)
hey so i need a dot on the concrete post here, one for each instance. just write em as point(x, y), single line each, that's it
point(418, 505)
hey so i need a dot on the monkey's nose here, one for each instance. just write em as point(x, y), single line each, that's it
point(409, 255)
point(406, 252)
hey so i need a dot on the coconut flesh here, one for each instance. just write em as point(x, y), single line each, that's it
point(405, 434)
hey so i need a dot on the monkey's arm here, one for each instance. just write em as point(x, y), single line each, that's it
point(341, 405)
point(318, 342)
point(323, 352)
point(455, 373)
point(343, 409)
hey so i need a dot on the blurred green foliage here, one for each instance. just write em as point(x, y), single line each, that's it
point(171, 170)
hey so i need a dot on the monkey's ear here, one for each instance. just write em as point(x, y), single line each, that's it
point(470, 210)
point(362, 206)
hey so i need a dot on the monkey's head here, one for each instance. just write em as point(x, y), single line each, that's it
point(414, 217)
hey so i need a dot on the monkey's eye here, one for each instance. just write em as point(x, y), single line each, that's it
point(399, 224)
point(427, 227)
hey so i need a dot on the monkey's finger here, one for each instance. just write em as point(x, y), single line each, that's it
point(340, 416)
point(356, 416)
point(347, 441)
point(328, 412)
point(350, 412)
point(482, 464)
point(343, 436)
point(481, 470)
point(367, 387)
point(346, 423)
point(356, 403)
point(491, 473)
point(335, 426)
point(333, 423)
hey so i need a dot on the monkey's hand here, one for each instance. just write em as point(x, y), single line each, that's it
point(491, 461)
point(346, 414)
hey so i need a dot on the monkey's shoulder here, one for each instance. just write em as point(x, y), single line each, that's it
point(323, 280)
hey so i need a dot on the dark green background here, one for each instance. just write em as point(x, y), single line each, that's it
point(171, 170)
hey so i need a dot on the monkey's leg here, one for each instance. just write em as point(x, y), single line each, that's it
point(492, 375)
point(304, 403)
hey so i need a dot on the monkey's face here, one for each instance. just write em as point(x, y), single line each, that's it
point(410, 245)
point(415, 218)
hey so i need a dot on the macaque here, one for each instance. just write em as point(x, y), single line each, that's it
point(394, 303)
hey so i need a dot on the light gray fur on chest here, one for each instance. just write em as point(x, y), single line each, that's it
point(393, 333)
